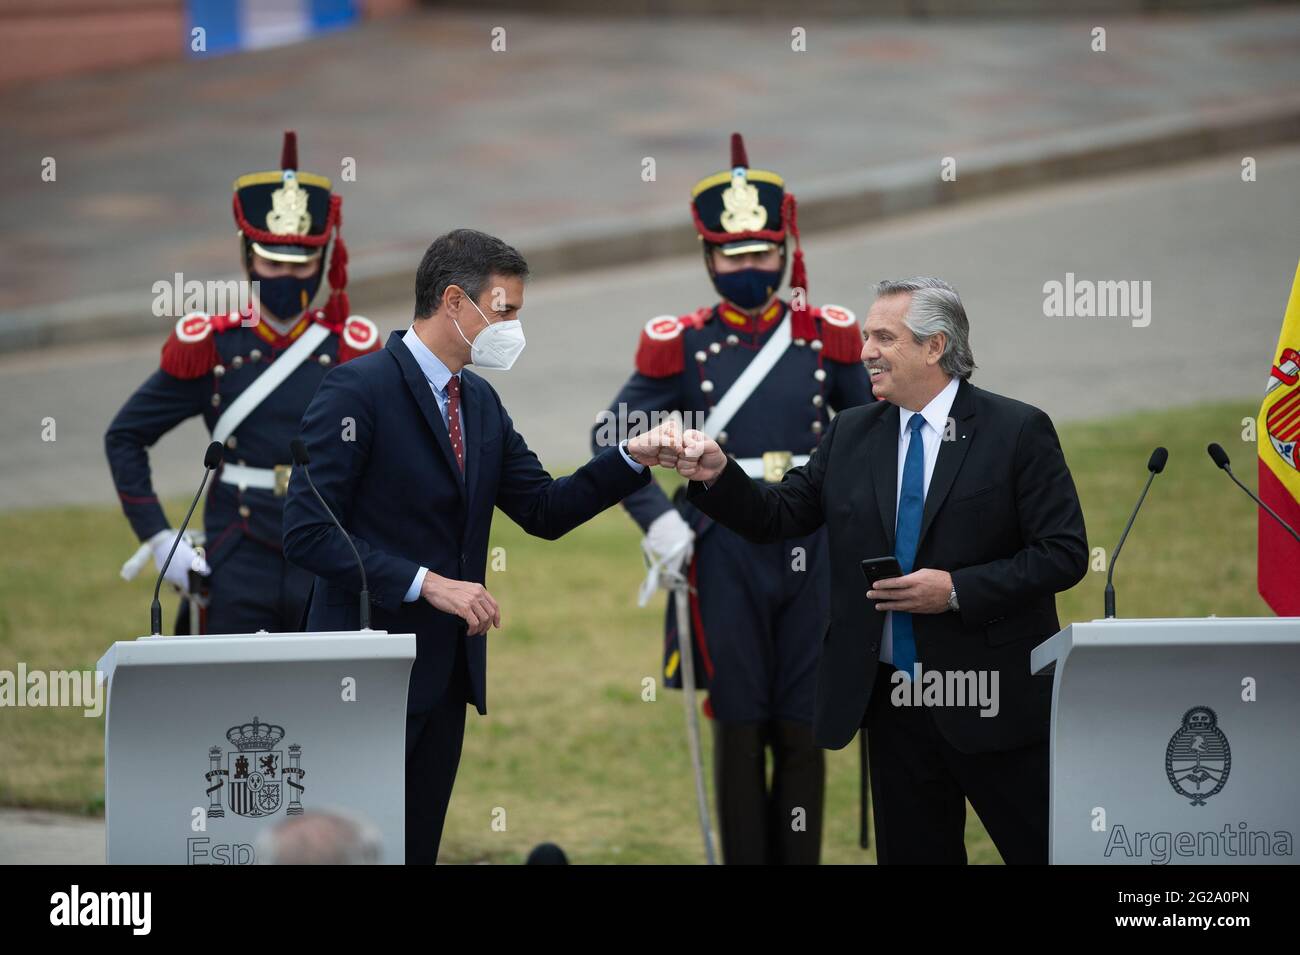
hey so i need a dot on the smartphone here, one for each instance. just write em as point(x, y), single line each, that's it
point(880, 568)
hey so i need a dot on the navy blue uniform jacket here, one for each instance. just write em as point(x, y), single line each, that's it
point(382, 460)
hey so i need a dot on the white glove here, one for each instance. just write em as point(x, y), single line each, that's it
point(668, 545)
point(178, 573)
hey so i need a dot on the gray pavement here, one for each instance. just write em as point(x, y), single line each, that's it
point(1220, 255)
point(34, 837)
point(545, 142)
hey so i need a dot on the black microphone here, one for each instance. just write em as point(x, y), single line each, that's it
point(1156, 464)
point(211, 461)
point(301, 459)
point(1220, 458)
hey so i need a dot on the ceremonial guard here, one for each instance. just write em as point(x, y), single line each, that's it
point(761, 376)
point(251, 374)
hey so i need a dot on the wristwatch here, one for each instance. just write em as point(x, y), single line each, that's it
point(952, 600)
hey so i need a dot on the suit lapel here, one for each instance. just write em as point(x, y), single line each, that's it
point(882, 452)
point(423, 394)
point(951, 455)
point(473, 395)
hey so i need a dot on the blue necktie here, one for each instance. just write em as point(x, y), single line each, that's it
point(911, 502)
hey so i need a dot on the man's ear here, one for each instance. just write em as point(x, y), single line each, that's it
point(935, 345)
point(451, 296)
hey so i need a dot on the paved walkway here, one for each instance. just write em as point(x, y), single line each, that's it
point(545, 143)
point(1219, 254)
point(33, 837)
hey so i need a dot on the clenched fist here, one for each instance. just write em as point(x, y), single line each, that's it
point(701, 458)
point(660, 446)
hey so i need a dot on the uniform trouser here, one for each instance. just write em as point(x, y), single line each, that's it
point(252, 587)
point(433, 745)
point(761, 826)
point(759, 614)
point(920, 784)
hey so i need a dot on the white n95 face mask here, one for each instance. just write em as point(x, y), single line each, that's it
point(496, 346)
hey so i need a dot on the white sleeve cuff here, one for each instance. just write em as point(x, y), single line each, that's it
point(636, 466)
point(413, 592)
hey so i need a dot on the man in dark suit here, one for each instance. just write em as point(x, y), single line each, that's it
point(412, 452)
point(970, 492)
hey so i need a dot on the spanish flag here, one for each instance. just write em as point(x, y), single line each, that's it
point(1278, 430)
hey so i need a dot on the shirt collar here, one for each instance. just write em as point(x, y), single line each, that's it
point(435, 372)
point(936, 412)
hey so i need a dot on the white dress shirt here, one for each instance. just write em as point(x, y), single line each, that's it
point(437, 374)
point(936, 421)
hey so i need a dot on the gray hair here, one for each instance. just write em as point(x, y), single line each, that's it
point(328, 837)
point(936, 307)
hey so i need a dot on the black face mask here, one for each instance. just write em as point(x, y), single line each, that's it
point(748, 288)
point(287, 296)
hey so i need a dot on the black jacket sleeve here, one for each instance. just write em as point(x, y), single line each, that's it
point(551, 507)
point(765, 513)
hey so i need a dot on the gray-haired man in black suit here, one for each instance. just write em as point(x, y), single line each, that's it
point(970, 492)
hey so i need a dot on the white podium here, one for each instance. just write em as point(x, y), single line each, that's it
point(1174, 741)
point(210, 739)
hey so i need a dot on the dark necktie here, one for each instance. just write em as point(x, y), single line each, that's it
point(911, 503)
point(453, 420)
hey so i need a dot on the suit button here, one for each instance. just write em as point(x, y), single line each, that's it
point(244, 510)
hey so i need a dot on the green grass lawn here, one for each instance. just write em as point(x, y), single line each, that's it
point(569, 750)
